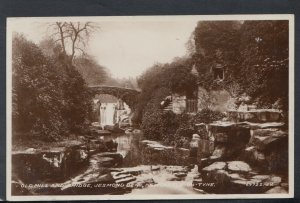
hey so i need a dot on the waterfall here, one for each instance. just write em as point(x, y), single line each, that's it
point(110, 112)
point(107, 114)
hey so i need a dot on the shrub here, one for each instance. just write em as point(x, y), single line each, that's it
point(159, 125)
point(207, 116)
point(185, 128)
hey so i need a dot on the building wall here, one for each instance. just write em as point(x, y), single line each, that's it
point(203, 98)
point(221, 100)
point(179, 103)
point(218, 100)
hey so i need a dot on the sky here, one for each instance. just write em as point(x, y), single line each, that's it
point(127, 47)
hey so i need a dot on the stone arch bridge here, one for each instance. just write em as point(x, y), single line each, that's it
point(128, 95)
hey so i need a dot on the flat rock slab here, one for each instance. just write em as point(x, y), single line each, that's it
point(235, 176)
point(264, 125)
point(180, 175)
point(268, 132)
point(258, 115)
point(155, 168)
point(103, 132)
point(156, 145)
point(114, 155)
point(174, 179)
point(105, 160)
point(176, 169)
point(277, 190)
point(261, 177)
point(121, 176)
point(133, 171)
point(238, 166)
point(215, 166)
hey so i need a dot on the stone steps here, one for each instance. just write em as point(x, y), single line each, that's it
point(169, 107)
point(125, 180)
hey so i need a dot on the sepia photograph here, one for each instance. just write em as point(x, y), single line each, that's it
point(150, 107)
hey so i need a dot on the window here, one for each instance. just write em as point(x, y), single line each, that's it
point(218, 72)
point(191, 105)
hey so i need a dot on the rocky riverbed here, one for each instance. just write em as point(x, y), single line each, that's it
point(244, 158)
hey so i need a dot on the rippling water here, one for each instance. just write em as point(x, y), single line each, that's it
point(137, 153)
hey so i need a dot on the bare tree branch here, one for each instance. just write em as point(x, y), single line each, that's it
point(76, 34)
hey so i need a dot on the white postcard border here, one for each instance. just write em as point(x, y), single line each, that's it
point(10, 21)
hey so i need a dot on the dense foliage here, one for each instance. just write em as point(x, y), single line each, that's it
point(50, 98)
point(254, 55)
point(173, 77)
point(155, 122)
point(216, 42)
point(207, 116)
point(265, 54)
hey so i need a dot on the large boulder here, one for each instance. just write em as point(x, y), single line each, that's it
point(107, 159)
point(118, 158)
point(215, 166)
point(239, 166)
point(267, 142)
point(255, 157)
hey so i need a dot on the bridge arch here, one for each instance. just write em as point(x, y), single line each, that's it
point(128, 95)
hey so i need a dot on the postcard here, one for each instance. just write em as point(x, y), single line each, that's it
point(150, 107)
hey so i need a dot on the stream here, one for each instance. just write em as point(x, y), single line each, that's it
point(147, 167)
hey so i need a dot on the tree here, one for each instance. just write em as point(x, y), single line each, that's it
point(217, 42)
point(50, 48)
point(265, 55)
point(254, 55)
point(50, 98)
point(72, 34)
point(77, 98)
point(37, 98)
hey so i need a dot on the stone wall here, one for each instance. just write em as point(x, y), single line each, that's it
point(218, 100)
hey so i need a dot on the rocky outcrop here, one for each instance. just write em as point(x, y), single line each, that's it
point(268, 150)
point(156, 145)
point(249, 154)
point(224, 141)
point(235, 177)
point(56, 164)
